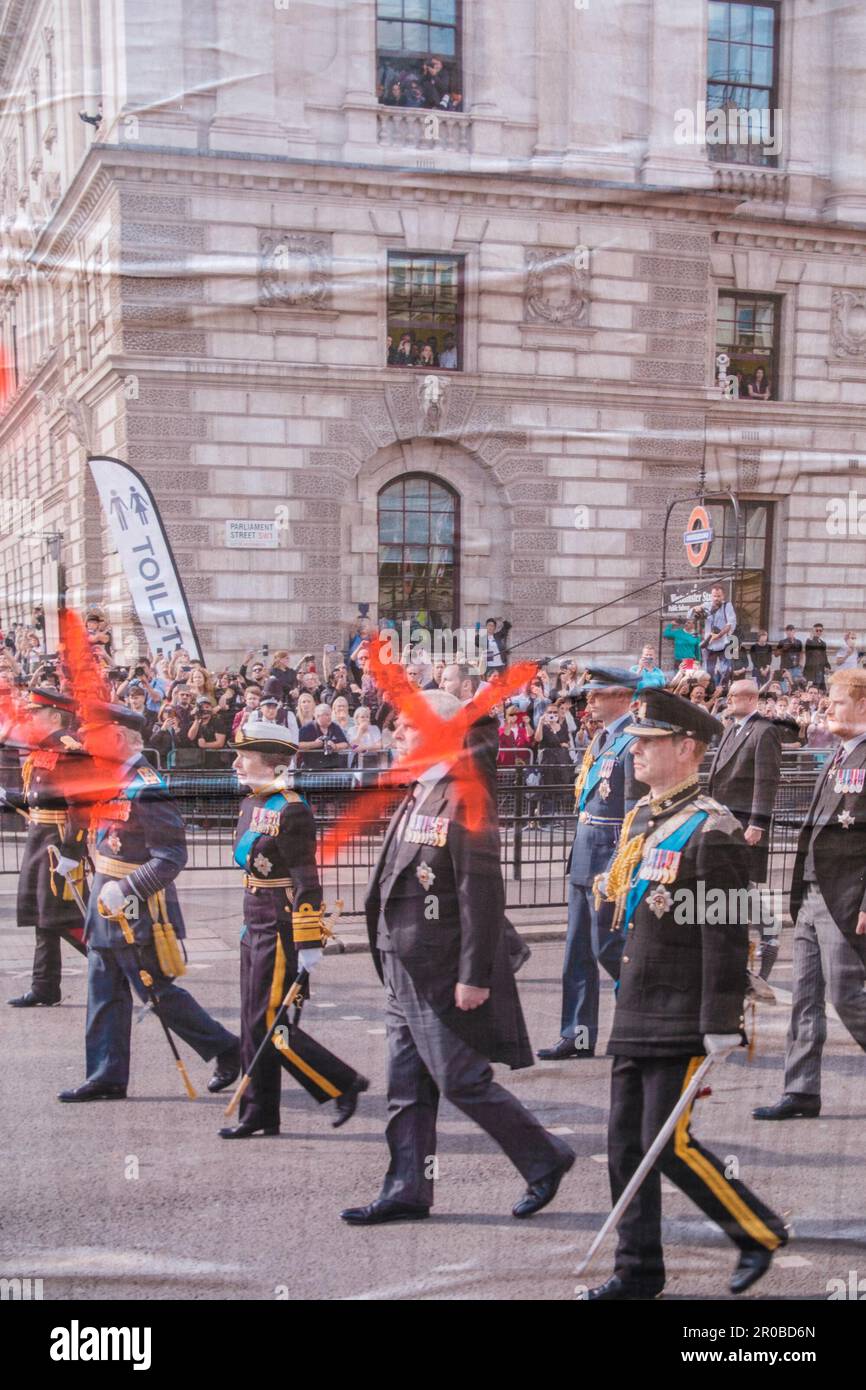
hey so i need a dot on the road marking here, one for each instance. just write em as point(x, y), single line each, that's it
point(377, 1032)
point(324, 1005)
point(560, 1129)
point(352, 1018)
point(599, 1158)
point(439, 1278)
point(791, 1262)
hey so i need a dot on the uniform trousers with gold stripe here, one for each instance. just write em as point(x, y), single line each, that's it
point(268, 966)
point(644, 1091)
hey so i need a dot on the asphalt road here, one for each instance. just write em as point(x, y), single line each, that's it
point(142, 1200)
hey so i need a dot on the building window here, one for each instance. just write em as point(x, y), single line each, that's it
point(424, 311)
point(419, 552)
point(418, 44)
point(742, 80)
point(747, 555)
point(747, 330)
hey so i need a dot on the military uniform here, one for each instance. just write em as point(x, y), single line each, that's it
point(138, 840)
point(680, 883)
point(275, 845)
point(45, 900)
point(605, 790)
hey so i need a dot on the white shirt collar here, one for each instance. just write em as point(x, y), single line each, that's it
point(851, 743)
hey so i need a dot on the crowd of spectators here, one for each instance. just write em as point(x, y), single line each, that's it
point(340, 720)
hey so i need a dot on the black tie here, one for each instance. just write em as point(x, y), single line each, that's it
point(602, 740)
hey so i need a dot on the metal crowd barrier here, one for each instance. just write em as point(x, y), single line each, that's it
point(537, 825)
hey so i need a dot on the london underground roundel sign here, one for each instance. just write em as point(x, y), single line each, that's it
point(698, 536)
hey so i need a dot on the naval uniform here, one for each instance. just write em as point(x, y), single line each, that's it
point(605, 790)
point(275, 845)
point(45, 901)
point(683, 976)
point(138, 838)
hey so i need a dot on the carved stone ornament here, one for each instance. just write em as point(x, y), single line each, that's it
point(848, 323)
point(79, 416)
point(557, 289)
point(294, 270)
point(431, 394)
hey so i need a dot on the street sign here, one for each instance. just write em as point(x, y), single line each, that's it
point(698, 536)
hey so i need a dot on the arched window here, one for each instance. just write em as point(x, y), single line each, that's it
point(419, 552)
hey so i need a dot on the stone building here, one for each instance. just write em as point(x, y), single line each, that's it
point(570, 208)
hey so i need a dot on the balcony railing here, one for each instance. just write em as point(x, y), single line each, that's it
point(423, 130)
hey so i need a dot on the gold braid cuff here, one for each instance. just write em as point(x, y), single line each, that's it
point(307, 924)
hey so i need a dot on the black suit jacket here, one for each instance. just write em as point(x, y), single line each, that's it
point(448, 925)
point(744, 776)
point(839, 847)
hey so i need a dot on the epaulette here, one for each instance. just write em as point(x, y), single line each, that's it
point(292, 798)
point(718, 817)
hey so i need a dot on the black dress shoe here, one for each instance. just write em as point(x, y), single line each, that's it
point(226, 1069)
point(347, 1103)
point(94, 1090)
point(752, 1266)
point(247, 1131)
point(539, 1194)
point(790, 1107)
point(32, 1001)
point(382, 1210)
point(564, 1050)
point(616, 1288)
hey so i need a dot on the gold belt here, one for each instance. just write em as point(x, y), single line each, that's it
point(254, 883)
point(116, 868)
point(47, 817)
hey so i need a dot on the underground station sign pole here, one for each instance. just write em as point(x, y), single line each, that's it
point(698, 536)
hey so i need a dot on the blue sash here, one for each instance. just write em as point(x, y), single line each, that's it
point(593, 777)
point(244, 846)
point(138, 784)
point(676, 841)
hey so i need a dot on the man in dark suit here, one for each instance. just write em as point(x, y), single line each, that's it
point(828, 904)
point(677, 879)
point(435, 915)
point(744, 776)
point(605, 790)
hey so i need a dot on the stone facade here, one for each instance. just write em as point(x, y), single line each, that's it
point(198, 286)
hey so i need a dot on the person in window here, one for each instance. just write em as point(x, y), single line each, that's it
point(403, 355)
point(428, 356)
point(434, 82)
point(448, 355)
point(413, 94)
point(393, 93)
point(759, 386)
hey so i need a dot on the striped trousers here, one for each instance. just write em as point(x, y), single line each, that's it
point(826, 961)
point(268, 966)
point(644, 1091)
